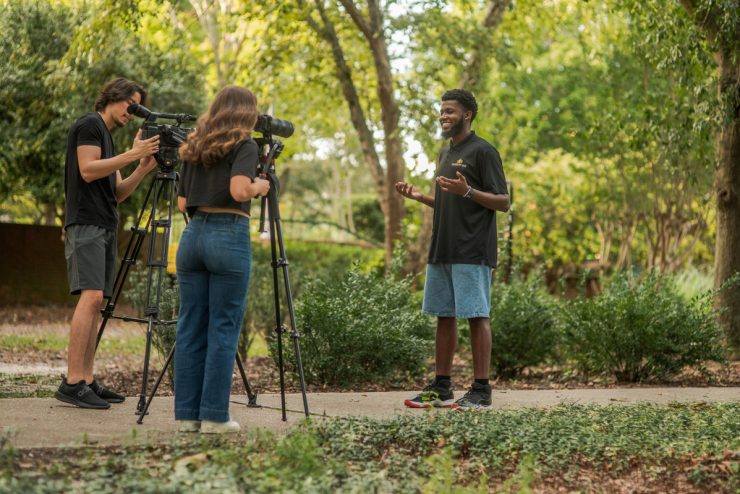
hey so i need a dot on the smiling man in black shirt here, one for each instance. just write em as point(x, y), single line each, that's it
point(469, 188)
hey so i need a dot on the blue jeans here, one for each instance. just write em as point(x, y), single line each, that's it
point(214, 260)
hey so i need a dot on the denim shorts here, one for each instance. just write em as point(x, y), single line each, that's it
point(91, 258)
point(462, 291)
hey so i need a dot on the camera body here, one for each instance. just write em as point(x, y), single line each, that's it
point(170, 139)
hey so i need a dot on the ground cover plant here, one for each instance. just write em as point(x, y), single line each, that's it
point(645, 448)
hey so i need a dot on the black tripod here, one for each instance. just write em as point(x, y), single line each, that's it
point(158, 223)
point(277, 247)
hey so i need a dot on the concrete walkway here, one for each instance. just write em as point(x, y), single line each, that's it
point(46, 422)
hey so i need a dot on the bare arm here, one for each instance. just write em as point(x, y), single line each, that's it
point(408, 190)
point(124, 187)
point(182, 202)
point(243, 189)
point(93, 167)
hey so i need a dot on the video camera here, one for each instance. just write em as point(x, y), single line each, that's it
point(170, 136)
point(268, 126)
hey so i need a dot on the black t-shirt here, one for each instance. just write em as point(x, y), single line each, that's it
point(209, 185)
point(91, 203)
point(464, 232)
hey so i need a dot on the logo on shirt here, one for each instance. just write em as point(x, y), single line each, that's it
point(460, 164)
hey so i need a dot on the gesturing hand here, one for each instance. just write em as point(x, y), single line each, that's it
point(408, 190)
point(457, 185)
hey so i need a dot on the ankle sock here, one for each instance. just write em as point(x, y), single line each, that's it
point(438, 378)
point(482, 381)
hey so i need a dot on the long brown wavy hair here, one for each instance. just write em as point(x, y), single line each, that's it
point(229, 120)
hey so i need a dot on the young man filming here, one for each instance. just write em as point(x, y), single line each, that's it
point(93, 188)
point(470, 188)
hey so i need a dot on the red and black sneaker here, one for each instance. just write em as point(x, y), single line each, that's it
point(437, 394)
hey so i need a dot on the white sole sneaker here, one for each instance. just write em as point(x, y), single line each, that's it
point(210, 427)
point(189, 425)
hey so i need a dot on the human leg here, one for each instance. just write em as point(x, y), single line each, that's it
point(473, 301)
point(480, 341)
point(192, 324)
point(82, 337)
point(439, 301)
point(445, 345)
point(228, 259)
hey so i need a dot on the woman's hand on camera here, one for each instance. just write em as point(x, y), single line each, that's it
point(262, 186)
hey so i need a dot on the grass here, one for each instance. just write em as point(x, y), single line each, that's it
point(58, 343)
point(131, 345)
point(671, 448)
point(27, 386)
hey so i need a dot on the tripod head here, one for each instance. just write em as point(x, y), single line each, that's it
point(269, 150)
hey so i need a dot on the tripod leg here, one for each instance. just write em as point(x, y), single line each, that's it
point(129, 259)
point(252, 396)
point(160, 230)
point(145, 408)
point(294, 330)
point(145, 376)
point(277, 246)
point(279, 329)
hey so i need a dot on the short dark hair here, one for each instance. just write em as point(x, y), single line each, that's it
point(465, 98)
point(116, 90)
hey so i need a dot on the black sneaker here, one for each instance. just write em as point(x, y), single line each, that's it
point(107, 394)
point(436, 394)
point(80, 395)
point(478, 397)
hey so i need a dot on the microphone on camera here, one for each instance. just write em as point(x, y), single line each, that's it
point(144, 112)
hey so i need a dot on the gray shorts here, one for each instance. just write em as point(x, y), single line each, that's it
point(462, 291)
point(91, 258)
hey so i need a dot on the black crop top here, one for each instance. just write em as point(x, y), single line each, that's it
point(210, 185)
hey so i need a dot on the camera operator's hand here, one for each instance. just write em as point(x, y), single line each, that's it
point(262, 186)
point(147, 164)
point(143, 148)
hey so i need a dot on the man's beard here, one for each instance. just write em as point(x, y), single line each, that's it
point(454, 130)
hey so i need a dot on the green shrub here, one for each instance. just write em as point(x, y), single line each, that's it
point(523, 326)
point(641, 330)
point(361, 328)
point(307, 261)
point(163, 335)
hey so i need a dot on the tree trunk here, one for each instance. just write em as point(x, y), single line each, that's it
point(50, 213)
point(727, 191)
point(371, 27)
point(391, 203)
point(713, 21)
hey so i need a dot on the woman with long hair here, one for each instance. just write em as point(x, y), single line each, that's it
point(214, 257)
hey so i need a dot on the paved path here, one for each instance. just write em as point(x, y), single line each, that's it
point(46, 422)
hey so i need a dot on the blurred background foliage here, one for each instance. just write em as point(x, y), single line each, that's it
point(604, 112)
